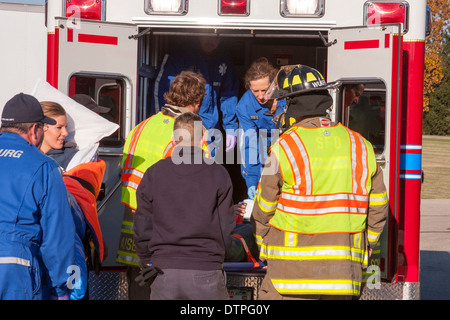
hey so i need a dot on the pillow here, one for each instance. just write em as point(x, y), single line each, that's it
point(85, 127)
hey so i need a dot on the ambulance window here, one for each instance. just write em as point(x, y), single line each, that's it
point(109, 94)
point(363, 110)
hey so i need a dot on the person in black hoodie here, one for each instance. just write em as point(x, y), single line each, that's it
point(185, 218)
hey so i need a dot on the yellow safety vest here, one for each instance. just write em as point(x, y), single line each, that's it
point(145, 145)
point(149, 142)
point(325, 187)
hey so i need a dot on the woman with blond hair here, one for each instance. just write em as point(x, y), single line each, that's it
point(83, 183)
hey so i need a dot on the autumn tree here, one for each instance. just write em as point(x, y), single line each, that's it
point(437, 120)
point(434, 73)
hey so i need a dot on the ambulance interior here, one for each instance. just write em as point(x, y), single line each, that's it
point(366, 114)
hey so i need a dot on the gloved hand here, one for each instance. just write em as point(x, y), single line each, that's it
point(251, 192)
point(231, 142)
point(147, 274)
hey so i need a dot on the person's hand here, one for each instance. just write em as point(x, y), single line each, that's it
point(231, 142)
point(239, 209)
point(251, 192)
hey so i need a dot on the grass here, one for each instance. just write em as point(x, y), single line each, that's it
point(436, 167)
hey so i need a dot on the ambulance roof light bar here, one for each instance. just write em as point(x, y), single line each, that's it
point(383, 12)
point(302, 8)
point(234, 7)
point(85, 9)
point(168, 7)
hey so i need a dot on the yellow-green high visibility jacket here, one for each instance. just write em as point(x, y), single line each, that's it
point(327, 176)
point(145, 145)
point(320, 205)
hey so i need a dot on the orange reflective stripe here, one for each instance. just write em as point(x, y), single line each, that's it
point(359, 163)
point(133, 143)
point(168, 151)
point(323, 204)
point(295, 149)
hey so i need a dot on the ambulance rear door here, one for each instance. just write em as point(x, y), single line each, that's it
point(367, 60)
point(99, 59)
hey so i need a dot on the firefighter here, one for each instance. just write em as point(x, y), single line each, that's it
point(222, 87)
point(321, 203)
point(254, 115)
point(37, 233)
point(147, 143)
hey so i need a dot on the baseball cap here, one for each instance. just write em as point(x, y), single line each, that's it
point(24, 108)
point(90, 103)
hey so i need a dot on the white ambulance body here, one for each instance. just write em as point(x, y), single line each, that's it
point(111, 50)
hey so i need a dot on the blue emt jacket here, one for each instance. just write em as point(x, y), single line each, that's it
point(222, 87)
point(253, 143)
point(37, 233)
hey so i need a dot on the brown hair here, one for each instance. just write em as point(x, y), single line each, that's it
point(52, 109)
point(186, 88)
point(259, 69)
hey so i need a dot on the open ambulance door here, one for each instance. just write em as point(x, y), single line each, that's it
point(100, 59)
point(367, 60)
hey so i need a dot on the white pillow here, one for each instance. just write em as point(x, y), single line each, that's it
point(85, 127)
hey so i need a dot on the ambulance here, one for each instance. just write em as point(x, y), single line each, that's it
point(111, 50)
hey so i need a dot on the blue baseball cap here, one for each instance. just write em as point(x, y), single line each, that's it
point(24, 108)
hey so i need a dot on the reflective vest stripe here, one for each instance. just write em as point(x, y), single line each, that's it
point(133, 143)
point(347, 199)
point(312, 286)
point(373, 236)
point(378, 199)
point(259, 240)
point(266, 206)
point(127, 227)
point(131, 178)
point(313, 253)
point(359, 163)
point(15, 260)
point(323, 204)
point(301, 170)
point(127, 258)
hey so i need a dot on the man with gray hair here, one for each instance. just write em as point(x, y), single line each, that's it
point(37, 233)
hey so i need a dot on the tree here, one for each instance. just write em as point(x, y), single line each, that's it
point(434, 73)
point(437, 120)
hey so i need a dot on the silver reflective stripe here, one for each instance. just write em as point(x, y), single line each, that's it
point(320, 210)
point(129, 184)
point(296, 172)
point(304, 155)
point(133, 171)
point(331, 197)
point(15, 260)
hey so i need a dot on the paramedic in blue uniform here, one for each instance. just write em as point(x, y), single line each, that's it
point(257, 118)
point(222, 86)
point(37, 233)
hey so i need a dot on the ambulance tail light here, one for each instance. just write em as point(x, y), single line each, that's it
point(382, 12)
point(234, 7)
point(85, 9)
point(302, 8)
point(178, 7)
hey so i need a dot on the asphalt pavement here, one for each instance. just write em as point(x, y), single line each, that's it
point(435, 249)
